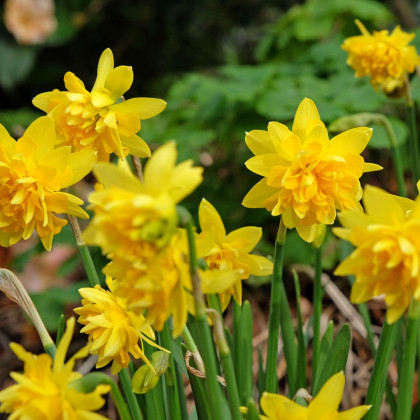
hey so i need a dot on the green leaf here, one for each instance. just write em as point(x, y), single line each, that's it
point(323, 353)
point(252, 413)
point(244, 336)
point(176, 352)
point(336, 359)
point(15, 64)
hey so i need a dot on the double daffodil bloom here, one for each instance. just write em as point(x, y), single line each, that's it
point(100, 120)
point(387, 255)
point(114, 332)
point(32, 173)
point(306, 175)
point(231, 251)
point(323, 407)
point(45, 391)
point(134, 219)
point(386, 58)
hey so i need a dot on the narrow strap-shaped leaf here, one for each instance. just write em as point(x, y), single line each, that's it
point(325, 346)
point(252, 413)
point(245, 377)
point(301, 359)
point(337, 356)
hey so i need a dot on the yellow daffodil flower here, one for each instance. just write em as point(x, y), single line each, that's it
point(306, 175)
point(387, 254)
point(32, 173)
point(386, 58)
point(134, 219)
point(44, 391)
point(161, 287)
point(323, 407)
point(113, 331)
point(230, 252)
point(99, 120)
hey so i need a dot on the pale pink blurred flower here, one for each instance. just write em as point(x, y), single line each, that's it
point(30, 21)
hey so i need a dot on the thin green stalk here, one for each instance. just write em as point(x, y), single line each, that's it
point(130, 397)
point(84, 252)
point(396, 156)
point(155, 405)
point(364, 312)
point(60, 329)
point(277, 289)
point(174, 396)
point(405, 382)
point(205, 341)
point(414, 145)
point(380, 368)
point(214, 302)
point(301, 364)
point(317, 310)
point(243, 349)
point(227, 364)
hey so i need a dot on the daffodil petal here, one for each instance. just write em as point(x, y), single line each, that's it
point(136, 145)
point(281, 408)
point(210, 220)
point(328, 398)
point(144, 108)
point(306, 112)
point(105, 66)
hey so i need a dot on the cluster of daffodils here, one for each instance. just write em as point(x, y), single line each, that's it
point(386, 58)
point(135, 224)
point(152, 273)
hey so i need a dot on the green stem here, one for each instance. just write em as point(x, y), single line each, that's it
point(84, 252)
point(380, 368)
point(405, 382)
point(414, 145)
point(204, 336)
point(277, 288)
point(227, 364)
point(174, 396)
point(155, 404)
point(301, 364)
point(396, 156)
point(317, 310)
point(129, 394)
